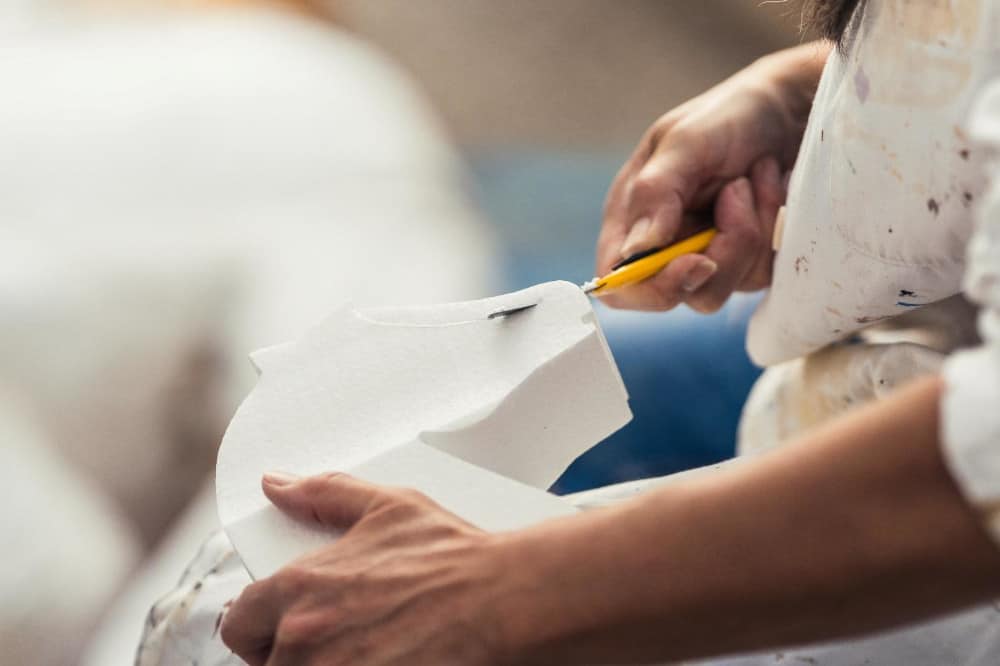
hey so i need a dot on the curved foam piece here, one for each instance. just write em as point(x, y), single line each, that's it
point(480, 414)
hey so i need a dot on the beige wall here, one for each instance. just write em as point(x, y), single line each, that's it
point(588, 74)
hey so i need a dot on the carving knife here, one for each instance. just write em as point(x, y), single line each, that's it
point(633, 269)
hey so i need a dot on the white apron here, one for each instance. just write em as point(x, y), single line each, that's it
point(879, 214)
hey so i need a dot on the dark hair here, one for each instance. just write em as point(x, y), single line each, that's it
point(829, 18)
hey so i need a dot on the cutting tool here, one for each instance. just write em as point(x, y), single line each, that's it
point(633, 269)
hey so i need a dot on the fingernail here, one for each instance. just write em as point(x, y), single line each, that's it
point(280, 479)
point(636, 237)
point(699, 275)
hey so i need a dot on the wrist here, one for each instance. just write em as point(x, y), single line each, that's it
point(548, 591)
point(788, 80)
point(569, 586)
point(523, 595)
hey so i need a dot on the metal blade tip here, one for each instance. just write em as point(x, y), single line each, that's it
point(509, 311)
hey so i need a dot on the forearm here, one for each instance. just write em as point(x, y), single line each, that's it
point(857, 528)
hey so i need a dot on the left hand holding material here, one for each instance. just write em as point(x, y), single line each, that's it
point(408, 583)
point(887, 539)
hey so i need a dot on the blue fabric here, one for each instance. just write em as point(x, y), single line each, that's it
point(687, 374)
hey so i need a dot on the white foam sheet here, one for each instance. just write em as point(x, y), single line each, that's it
point(480, 414)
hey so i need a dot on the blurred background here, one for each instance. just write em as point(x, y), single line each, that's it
point(182, 181)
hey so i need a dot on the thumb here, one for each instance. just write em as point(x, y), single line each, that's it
point(333, 500)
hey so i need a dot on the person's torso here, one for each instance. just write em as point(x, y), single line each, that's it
point(880, 203)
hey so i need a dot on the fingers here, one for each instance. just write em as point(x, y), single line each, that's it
point(734, 249)
point(705, 281)
point(745, 216)
point(616, 225)
point(658, 196)
point(250, 623)
point(251, 626)
point(769, 190)
point(647, 200)
point(332, 500)
point(301, 638)
point(740, 248)
point(668, 288)
point(286, 655)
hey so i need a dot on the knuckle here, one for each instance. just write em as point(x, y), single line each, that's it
point(229, 633)
point(683, 136)
point(408, 496)
point(746, 237)
point(399, 512)
point(315, 486)
point(352, 580)
point(616, 192)
point(298, 629)
point(647, 186)
point(247, 602)
point(445, 531)
point(652, 137)
point(398, 505)
point(706, 303)
point(294, 579)
point(665, 126)
point(318, 485)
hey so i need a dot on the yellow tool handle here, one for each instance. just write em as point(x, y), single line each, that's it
point(650, 265)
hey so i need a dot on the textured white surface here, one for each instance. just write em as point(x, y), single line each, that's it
point(971, 422)
point(480, 414)
point(880, 204)
point(881, 208)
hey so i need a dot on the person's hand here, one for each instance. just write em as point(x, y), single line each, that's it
point(719, 158)
point(407, 584)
